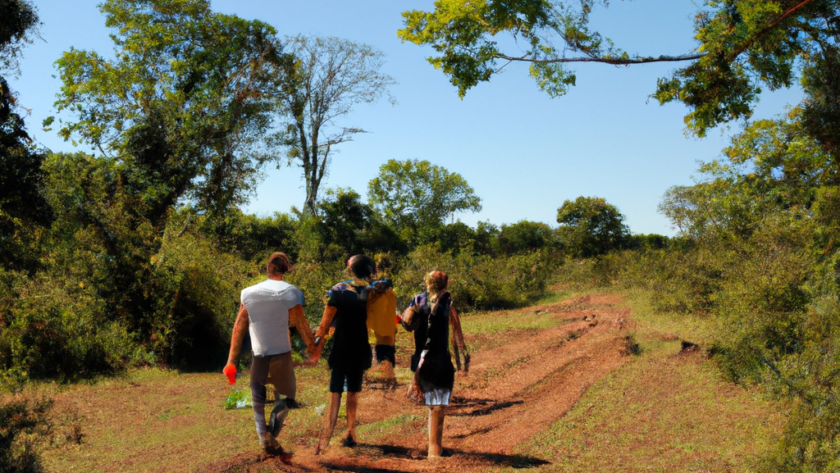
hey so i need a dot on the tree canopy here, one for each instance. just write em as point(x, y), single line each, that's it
point(417, 197)
point(186, 102)
point(742, 46)
point(19, 26)
point(589, 226)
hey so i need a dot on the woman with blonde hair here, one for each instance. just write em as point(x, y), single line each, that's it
point(430, 316)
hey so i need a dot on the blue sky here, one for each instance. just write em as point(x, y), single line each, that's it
point(523, 152)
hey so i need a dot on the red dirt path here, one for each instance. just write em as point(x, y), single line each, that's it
point(511, 393)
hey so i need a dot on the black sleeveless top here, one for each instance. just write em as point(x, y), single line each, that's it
point(432, 334)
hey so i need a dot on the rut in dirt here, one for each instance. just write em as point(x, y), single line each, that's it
point(515, 390)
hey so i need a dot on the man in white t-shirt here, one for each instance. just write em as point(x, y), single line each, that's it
point(267, 310)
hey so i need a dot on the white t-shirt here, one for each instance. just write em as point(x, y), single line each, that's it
point(268, 305)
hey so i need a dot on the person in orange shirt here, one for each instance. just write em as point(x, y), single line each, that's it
point(381, 320)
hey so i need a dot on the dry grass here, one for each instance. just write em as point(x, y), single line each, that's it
point(665, 411)
point(660, 411)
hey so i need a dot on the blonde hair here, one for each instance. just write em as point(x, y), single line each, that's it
point(436, 282)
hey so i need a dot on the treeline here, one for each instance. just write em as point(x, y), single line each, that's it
point(135, 255)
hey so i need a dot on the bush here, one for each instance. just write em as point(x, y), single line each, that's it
point(22, 423)
point(479, 281)
point(54, 328)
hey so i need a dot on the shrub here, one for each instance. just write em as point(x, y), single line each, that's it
point(479, 281)
point(55, 328)
point(22, 422)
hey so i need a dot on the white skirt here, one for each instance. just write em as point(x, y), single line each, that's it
point(438, 397)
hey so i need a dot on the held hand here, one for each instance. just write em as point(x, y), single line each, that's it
point(230, 372)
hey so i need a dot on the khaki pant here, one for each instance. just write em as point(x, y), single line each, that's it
point(276, 370)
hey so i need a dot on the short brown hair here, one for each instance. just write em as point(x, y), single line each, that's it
point(278, 262)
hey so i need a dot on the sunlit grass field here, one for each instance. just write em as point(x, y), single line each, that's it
point(663, 410)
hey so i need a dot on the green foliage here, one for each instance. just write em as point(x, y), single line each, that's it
point(186, 103)
point(24, 214)
point(478, 281)
point(250, 236)
point(54, 328)
point(20, 24)
point(355, 227)
point(589, 226)
point(22, 421)
point(416, 198)
point(744, 45)
point(463, 33)
point(526, 236)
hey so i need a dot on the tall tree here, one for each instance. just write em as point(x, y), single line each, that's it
point(328, 78)
point(589, 226)
point(185, 104)
point(743, 45)
point(23, 212)
point(179, 115)
point(417, 197)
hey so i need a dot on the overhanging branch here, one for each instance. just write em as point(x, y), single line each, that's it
point(646, 60)
point(603, 60)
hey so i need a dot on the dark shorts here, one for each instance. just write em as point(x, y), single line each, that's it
point(346, 379)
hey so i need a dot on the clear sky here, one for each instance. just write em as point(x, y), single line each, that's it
point(523, 152)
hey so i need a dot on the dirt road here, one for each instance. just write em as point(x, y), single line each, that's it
point(520, 383)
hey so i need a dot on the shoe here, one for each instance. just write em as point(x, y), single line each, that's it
point(349, 442)
point(269, 445)
point(278, 416)
point(292, 404)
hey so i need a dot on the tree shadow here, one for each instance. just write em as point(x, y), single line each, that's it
point(470, 457)
point(463, 407)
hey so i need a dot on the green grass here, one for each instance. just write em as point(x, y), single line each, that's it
point(662, 411)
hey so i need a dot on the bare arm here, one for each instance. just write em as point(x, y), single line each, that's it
point(239, 329)
point(458, 338)
point(321, 333)
point(326, 321)
point(298, 319)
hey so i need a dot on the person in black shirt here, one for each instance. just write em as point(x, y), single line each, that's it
point(351, 353)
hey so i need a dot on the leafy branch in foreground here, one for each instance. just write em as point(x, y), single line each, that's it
point(742, 45)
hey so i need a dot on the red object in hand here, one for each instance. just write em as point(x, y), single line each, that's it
point(399, 319)
point(230, 372)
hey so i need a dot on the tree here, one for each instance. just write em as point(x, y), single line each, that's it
point(327, 79)
point(179, 117)
point(20, 24)
point(417, 197)
point(525, 236)
point(185, 104)
point(589, 226)
point(770, 167)
point(24, 214)
point(743, 44)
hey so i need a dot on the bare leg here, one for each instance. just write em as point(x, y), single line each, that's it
point(352, 404)
point(436, 415)
point(332, 418)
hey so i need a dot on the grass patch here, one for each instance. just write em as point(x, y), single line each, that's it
point(662, 411)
